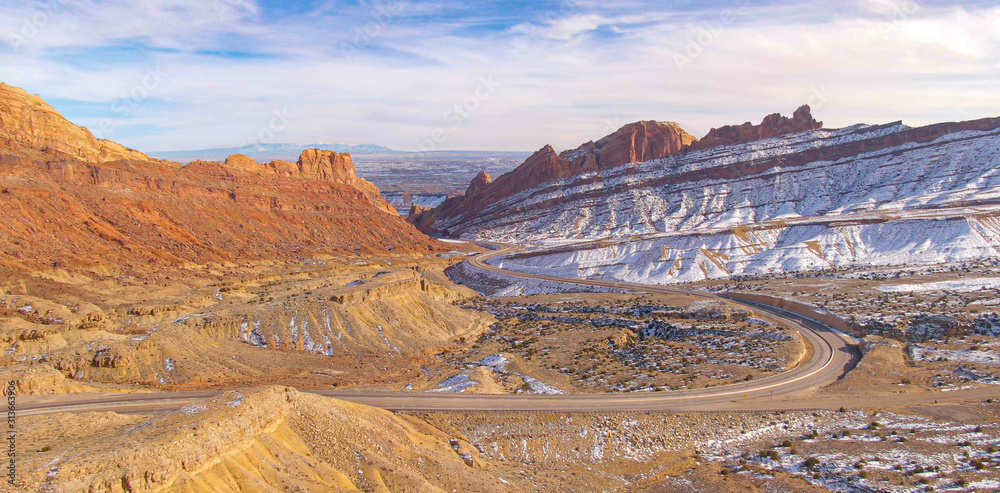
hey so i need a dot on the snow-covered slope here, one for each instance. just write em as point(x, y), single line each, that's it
point(862, 195)
point(772, 249)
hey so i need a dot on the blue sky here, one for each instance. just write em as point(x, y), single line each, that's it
point(499, 75)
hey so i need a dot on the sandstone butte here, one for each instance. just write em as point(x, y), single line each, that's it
point(634, 143)
point(71, 199)
point(314, 164)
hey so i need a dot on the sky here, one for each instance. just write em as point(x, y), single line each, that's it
point(164, 75)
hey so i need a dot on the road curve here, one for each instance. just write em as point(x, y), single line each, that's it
point(831, 355)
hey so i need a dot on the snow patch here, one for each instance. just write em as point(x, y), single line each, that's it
point(980, 357)
point(963, 286)
point(495, 361)
point(194, 409)
point(455, 385)
point(381, 333)
point(540, 387)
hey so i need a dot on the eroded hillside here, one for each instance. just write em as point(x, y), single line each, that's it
point(118, 271)
point(758, 202)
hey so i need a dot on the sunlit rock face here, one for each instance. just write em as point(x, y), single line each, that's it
point(865, 195)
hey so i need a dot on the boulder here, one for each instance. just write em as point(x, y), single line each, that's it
point(318, 164)
point(239, 161)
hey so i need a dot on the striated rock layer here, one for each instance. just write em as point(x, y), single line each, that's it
point(73, 200)
point(632, 143)
point(774, 125)
point(28, 123)
point(808, 200)
point(313, 164)
point(266, 439)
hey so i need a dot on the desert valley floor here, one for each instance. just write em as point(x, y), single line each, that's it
point(773, 307)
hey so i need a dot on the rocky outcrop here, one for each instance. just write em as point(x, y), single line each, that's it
point(284, 168)
point(313, 164)
point(481, 181)
point(32, 128)
point(859, 197)
point(257, 439)
point(28, 123)
point(42, 380)
point(374, 195)
point(317, 164)
point(542, 167)
point(239, 161)
point(633, 143)
point(774, 125)
point(85, 203)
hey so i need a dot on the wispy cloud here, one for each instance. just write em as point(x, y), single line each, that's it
point(565, 28)
point(390, 72)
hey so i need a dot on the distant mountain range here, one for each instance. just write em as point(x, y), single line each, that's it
point(269, 152)
point(363, 152)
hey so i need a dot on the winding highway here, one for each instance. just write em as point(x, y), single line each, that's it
point(830, 355)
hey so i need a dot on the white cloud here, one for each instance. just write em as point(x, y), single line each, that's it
point(564, 28)
point(561, 81)
point(899, 7)
point(32, 27)
point(569, 26)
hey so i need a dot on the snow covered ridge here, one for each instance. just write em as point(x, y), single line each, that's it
point(752, 183)
point(808, 246)
point(862, 196)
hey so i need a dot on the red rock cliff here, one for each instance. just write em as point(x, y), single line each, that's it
point(774, 125)
point(633, 143)
point(28, 123)
point(80, 202)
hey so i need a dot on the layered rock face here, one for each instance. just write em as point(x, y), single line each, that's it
point(632, 143)
point(820, 199)
point(313, 164)
point(481, 181)
point(774, 125)
point(76, 200)
point(329, 166)
point(239, 161)
point(28, 123)
point(261, 439)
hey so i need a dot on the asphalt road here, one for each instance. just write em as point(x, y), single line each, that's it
point(831, 354)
